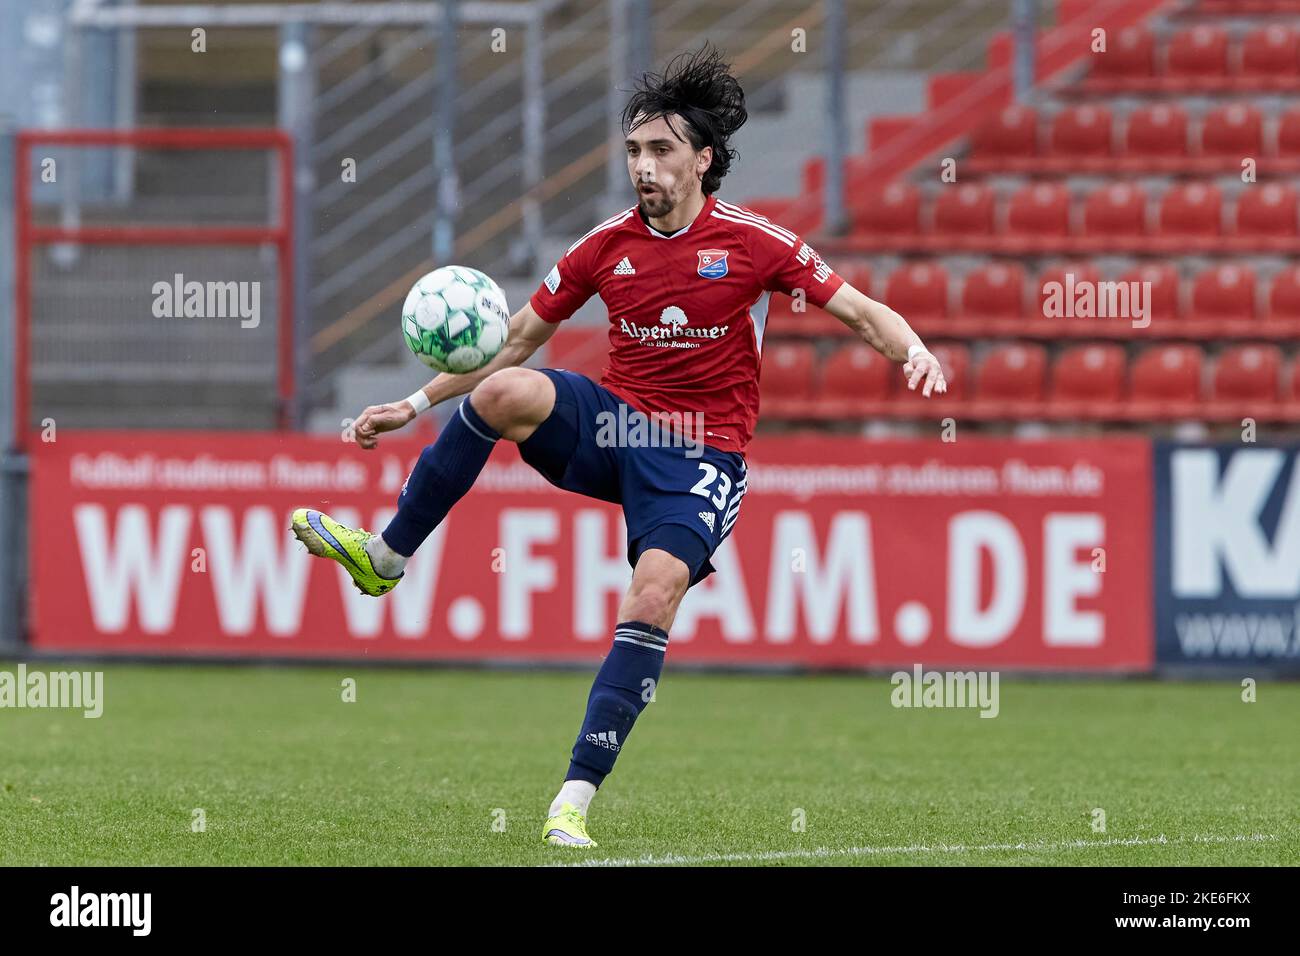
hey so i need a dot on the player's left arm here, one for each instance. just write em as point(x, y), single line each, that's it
point(889, 334)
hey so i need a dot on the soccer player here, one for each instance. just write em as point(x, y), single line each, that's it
point(686, 278)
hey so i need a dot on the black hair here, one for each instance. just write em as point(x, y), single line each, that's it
point(700, 89)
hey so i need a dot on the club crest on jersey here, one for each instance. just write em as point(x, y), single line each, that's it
point(713, 263)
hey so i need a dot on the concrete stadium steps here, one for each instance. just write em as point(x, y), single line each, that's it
point(154, 405)
point(98, 349)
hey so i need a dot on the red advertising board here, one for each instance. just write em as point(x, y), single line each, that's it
point(847, 553)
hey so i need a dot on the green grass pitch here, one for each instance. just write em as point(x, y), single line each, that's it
point(457, 767)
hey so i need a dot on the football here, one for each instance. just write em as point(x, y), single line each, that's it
point(455, 319)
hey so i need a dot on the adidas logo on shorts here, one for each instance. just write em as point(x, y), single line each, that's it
point(624, 268)
point(707, 518)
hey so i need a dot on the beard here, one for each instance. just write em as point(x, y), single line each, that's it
point(657, 204)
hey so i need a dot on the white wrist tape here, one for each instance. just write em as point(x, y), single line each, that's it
point(419, 401)
point(915, 350)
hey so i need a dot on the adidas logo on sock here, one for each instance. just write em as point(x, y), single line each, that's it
point(606, 739)
point(624, 268)
point(707, 518)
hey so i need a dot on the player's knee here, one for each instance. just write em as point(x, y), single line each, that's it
point(654, 599)
point(509, 397)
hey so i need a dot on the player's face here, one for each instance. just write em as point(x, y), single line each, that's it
point(664, 167)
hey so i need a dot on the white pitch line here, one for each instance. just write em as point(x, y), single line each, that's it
point(821, 853)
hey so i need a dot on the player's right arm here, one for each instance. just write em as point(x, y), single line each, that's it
point(889, 334)
point(528, 332)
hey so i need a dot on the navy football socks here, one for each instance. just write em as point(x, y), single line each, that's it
point(445, 471)
point(624, 685)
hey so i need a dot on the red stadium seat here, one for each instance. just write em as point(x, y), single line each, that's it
point(1163, 299)
point(894, 212)
point(1035, 210)
point(1196, 58)
point(994, 291)
point(1247, 377)
point(786, 379)
point(1009, 140)
point(1266, 216)
point(1224, 292)
point(1119, 209)
point(1082, 271)
point(1059, 277)
point(1015, 371)
point(1081, 131)
point(1167, 382)
point(1234, 130)
point(1288, 133)
point(858, 182)
point(1284, 296)
point(1270, 58)
point(854, 374)
point(856, 274)
point(1155, 138)
point(1127, 63)
point(964, 211)
point(1088, 381)
point(1011, 381)
point(1191, 216)
point(918, 290)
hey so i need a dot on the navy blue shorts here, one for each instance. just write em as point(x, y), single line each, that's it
point(683, 499)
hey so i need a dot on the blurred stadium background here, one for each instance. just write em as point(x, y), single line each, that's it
point(1113, 497)
point(1118, 496)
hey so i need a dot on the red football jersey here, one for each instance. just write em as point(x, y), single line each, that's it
point(687, 311)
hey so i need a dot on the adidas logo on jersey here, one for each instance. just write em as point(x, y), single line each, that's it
point(624, 268)
point(608, 740)
point(707, 518)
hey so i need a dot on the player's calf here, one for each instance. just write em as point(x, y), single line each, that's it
point(508, 404)
point(624, 685)
point(630, 673)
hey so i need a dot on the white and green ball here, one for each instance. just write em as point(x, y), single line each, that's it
point(455, 319)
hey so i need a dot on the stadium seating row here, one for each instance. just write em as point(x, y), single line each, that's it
point(1000, 299)
point(1045, 218)
point(1148, 167)
point(1155, 138)
point(1204, 57)
point(1092, 382)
